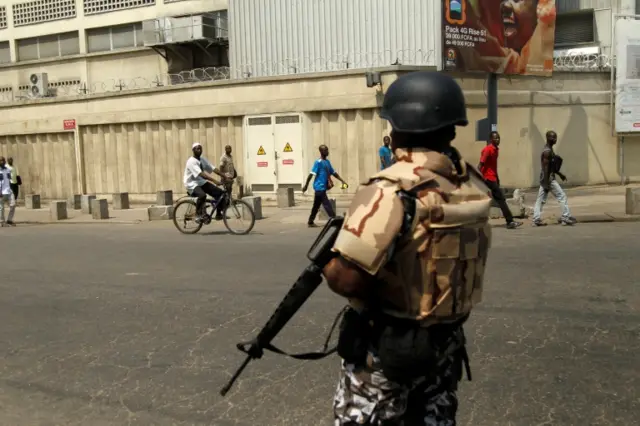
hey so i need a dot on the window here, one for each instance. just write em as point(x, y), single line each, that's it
point(117, 37)
point(50, 46)
point(34, 12)
point(5, 52)
point(563, 6)
point(574, 29)
point(3, 17)
point(92, 7)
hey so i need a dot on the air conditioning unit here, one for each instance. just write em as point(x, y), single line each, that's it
point(39, 85)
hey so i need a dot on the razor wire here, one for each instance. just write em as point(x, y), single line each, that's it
point(583, 62)
point(295, 66)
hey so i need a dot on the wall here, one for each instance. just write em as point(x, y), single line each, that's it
point(46, 162)
point(137, 141)
point(278, 37)
point(97, 72)
point(144, 157)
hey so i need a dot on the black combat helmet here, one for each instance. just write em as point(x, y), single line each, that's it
point(424, 101)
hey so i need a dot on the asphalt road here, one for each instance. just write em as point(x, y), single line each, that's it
point(137, 325)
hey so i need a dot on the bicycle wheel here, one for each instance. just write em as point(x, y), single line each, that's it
point(186, 218)
point(241, 211)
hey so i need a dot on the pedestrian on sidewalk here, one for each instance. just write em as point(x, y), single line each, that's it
point(489, 168)
point(322, 170)
point(385, 154)
point(227, 167)
point(16, 180)
point(6, 195)
point(548, 183)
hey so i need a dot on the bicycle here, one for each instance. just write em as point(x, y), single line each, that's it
point(238, 209)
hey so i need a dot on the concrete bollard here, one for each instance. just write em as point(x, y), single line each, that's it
point(100, 208)
point(121, 201)
point(85, 203)
point(160, 212)
point(32, 201)
point(164, 198)
point(256, 204)
point(58, 210)
point(285, 197)
point(75, 202)
point(632, 200)
point(322, 213)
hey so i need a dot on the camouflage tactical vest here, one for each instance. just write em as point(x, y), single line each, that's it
point(436, 271)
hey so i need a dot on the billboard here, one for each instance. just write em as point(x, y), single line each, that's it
point(627, 107)
point(513, 37)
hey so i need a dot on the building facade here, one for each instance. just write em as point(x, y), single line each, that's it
point(58, 48)
point(118, 115)
point(583, 27)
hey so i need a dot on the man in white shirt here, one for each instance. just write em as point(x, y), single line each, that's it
point(200, 183)
point(6, 193)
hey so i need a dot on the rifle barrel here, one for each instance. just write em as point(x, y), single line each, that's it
point(233, 379)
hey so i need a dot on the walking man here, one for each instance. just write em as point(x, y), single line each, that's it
point(6, 193)
point(16, 181)
point(322, 170)
point(548, 183)
point(386, 156)
point(227, 167)
point(489, 168)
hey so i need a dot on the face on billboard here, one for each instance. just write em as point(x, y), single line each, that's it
point(519, 21)
point(499, 36)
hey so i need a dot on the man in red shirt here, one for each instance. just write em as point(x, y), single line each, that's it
point(489, 168)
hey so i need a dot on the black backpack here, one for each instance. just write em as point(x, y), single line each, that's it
point(556, 163)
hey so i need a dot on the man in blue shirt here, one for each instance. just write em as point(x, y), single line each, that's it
point(322, 170)
point(386, 156)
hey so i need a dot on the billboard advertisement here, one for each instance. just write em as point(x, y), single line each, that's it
point(627, 107)
point(512, 37)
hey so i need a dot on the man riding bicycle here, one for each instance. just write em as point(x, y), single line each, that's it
point(200, 183)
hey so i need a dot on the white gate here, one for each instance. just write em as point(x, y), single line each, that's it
point(261, 157)
point(274, 147)
point(288, 140)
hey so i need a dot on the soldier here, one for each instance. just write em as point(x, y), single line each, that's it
point(412, 253)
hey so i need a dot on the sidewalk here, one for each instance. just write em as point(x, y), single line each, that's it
point(136, 214)
point(587, 204)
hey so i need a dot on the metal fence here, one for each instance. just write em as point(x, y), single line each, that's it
point(568, 63)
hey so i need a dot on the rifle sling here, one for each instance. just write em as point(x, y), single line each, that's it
point(307, 355)
point(303, 356)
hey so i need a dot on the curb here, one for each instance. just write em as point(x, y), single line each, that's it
point(72, 222)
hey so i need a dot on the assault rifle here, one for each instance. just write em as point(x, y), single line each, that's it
point(319, 254)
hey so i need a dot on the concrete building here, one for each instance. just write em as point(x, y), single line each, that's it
point(587, 23)
point(82, 47)
point(120, 114)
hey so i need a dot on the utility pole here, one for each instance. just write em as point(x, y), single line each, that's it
point(490, 122)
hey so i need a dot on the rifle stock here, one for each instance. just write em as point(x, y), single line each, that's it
point(320, 254)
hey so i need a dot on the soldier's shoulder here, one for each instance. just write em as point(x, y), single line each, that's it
point(377, 197)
